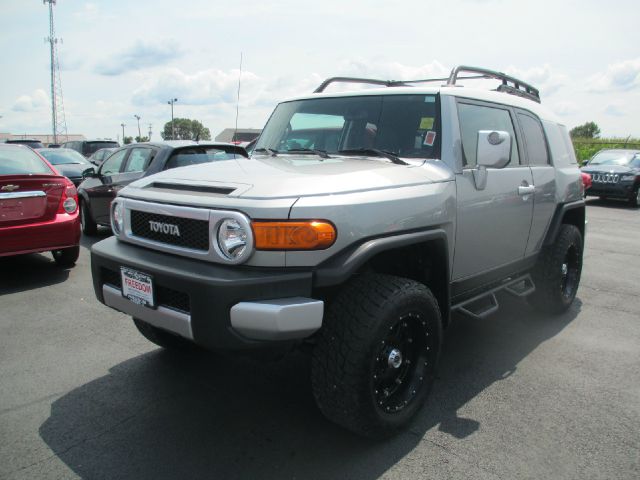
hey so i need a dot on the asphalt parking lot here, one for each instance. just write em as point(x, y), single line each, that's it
point(519, 395)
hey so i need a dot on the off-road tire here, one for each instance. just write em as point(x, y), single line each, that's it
point(88, 226)
point(556, 286)
point(348, 353)
point(162, 338)
point(66, 257)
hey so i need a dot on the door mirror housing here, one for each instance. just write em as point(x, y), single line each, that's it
point(494, 148)
point(89, 173)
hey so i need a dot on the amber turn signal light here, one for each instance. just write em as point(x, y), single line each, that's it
point(296, 235)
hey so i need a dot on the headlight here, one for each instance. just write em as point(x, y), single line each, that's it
point(627, 178)
point(70, 205)
point(117, 216)
point(233, 239)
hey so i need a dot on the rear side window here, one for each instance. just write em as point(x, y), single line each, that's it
point(534, 140)
point(113, 163)
point(474, 118)
point(92, 147)
point(22, 161)
point(139, 160)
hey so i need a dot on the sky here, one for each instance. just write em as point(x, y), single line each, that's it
point(120, 58)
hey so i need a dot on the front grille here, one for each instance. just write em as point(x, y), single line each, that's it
point(605, 177)
point(177, 231)
point(164, 296)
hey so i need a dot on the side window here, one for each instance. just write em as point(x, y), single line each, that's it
point(113, 163)
point(534, 140)
point(138, 160)
point(479, 117)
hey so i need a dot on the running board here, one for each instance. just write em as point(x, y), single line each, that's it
point(483, 305)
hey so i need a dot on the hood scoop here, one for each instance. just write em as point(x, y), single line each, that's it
point(196, 189)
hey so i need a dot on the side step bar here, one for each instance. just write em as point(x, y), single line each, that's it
point(486, 303)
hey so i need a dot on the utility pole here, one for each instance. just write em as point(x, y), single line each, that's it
point(173, 131)
point(58, 123)
point(137, 117)
point(122, 125)
point(150, 125)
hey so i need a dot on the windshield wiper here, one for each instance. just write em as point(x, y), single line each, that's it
point(374, 151)
point(270, 151)
point(320, 153)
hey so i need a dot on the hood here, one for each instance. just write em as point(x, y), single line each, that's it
point(299, 176)
point(608, 169)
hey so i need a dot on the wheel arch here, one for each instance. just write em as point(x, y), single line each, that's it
point(573, 213)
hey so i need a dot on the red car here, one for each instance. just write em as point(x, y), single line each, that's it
point(38, 207)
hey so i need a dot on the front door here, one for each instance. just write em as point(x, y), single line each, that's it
point(493, 221)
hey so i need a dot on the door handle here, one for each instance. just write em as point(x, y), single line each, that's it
point(526, 190)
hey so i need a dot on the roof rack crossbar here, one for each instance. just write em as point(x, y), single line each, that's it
point(518, 87)
point(371, 81)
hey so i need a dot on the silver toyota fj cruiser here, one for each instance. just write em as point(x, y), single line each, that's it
point(362, 220)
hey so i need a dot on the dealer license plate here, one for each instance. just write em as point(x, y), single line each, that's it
point(137, 287)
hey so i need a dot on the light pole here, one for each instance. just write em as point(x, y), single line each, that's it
point(122, 125)
point(137, 117)
point(150, 125)
point(173, 132)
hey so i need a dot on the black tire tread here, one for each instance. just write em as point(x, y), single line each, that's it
point(66, 257)
point(89, 227)
point(336, 374)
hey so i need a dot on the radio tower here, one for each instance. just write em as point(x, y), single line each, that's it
point(58, 123)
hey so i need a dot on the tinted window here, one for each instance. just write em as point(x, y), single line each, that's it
point(21, 161)
point(92, 147)
point(403, 124)
point(61, 157)
point(138, 160)
point(478, 117)
point(534, 140)
point(113, 163)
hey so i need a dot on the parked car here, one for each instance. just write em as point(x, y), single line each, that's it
point(137, 160)
point(615, 174)
point(35, 144)
point(100, 156)
point(586, 182)
point(89, 147)
point(38, 207)
point(357, 248)
point(68, 162)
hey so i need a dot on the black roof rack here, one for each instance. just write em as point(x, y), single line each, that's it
point(509, 84)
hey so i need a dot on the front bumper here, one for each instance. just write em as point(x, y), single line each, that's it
point(615, 190)
point(217, 306)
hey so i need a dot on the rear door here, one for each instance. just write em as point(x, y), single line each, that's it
point(105, 189)
point(493, 221)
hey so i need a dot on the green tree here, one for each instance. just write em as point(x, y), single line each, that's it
point(588, 130)
point(141, 139)
point(186, 129)
point(128, 140)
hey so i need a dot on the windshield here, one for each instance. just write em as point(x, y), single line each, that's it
point(194, 156)
point(405, 125)
point(60, 157)
point(92, 147)
point(611, 158)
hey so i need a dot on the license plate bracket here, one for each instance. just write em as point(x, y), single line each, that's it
point(137, 287)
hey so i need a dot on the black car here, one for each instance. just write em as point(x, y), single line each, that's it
point(89, 147)
point(29, 142)
point(138, 160)
point(615, 174)
point(68, 162)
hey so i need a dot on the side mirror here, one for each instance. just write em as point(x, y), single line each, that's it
point(89, 173)
point(493, 151)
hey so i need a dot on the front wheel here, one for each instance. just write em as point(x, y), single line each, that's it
point(634, 200)
point(66, 257)
point(88, 226)
point(375, 359)
point(557, 273)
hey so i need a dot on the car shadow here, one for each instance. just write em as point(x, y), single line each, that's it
point(609, 202)
point(87, 240)
point(166, 415)
point(28, 272)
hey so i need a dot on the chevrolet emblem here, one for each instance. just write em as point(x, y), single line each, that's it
point(10, 188)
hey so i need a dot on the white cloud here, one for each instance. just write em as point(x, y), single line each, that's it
point(614, 110)
point(139, 56)
point(544, 78)
point(38, 100)
point(620, 76)
point(565, 108)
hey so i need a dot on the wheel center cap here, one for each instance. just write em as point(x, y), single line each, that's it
point(395, 358)
point(565, 269)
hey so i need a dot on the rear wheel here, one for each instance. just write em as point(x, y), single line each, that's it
point(557, 273)
point(375, 360)
point(66, 257)
point(162, 338)
point(88, 226)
